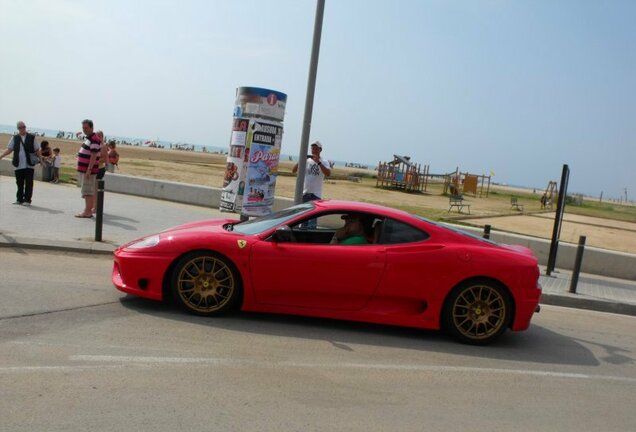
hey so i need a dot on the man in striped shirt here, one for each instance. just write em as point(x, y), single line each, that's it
point(88, 167)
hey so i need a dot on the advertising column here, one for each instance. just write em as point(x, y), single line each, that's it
point(252, 164)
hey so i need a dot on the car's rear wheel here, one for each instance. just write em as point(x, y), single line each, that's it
point(477, 312)
point(206, 283)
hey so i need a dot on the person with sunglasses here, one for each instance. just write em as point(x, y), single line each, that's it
point(354, 232)
point(26, 154)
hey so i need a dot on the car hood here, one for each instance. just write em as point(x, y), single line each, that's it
point(198, 229)
point(208, 225)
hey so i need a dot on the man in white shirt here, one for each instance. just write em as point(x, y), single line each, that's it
point(26, 153)
point(317, 169)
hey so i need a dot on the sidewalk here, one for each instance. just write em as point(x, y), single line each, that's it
point(592, 292)
point(50, 224)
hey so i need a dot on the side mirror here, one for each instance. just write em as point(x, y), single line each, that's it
point(283, 234)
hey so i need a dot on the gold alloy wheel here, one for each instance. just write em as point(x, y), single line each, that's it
point(205, 284)
point(479, 312)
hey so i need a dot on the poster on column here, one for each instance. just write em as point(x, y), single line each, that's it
point(262, 167)
point(235, 164)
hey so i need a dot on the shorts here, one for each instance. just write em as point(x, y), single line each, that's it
point(87, 184)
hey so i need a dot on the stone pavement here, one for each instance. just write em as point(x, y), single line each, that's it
point(50, 223)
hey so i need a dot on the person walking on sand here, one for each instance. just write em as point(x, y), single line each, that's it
point(26, 154)
point(88, 167)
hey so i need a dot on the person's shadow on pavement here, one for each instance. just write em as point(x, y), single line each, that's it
point(110, 221)
point(44, 209)
point(116, 217)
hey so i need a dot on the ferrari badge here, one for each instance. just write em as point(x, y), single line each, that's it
point(242, 243)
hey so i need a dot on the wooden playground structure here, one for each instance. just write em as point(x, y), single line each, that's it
point(402, 174)
point(460, 183)
point(549, 195)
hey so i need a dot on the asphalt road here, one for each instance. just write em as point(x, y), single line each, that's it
point(75, 354)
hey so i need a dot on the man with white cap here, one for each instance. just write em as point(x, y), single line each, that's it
point(316, 170)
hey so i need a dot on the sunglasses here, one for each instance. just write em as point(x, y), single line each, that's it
point(21, 127)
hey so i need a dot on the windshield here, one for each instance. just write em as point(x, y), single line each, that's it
point(455, 230)
point(264, 223)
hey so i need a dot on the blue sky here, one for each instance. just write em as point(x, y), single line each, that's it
point(517, 87)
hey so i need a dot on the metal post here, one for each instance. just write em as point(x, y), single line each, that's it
point(558, 220)
point(309, 102)
point(99, 210)
point(577, 264)
point(486, 231)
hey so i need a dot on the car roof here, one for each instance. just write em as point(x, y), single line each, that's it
point(360, 207)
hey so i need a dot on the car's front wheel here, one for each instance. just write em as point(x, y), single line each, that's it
point(477, 312)
point(206, 283)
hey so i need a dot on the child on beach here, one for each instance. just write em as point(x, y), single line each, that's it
point(47, 161)
point(113, 157)
point(57, 163)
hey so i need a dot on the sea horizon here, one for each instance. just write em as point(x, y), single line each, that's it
point(145, 142)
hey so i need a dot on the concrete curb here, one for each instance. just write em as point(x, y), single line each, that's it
point(575, 301)
point(77, 246)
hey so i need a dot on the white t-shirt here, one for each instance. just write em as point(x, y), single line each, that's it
point(57, 161)
point(314, 177)
point(22, 162)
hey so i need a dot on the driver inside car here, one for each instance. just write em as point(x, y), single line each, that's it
point(354, 232)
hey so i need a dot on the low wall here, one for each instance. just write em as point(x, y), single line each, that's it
point(204, 196)
point(6, 167)
point(595, 261)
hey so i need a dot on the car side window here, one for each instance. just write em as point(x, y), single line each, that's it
point(321, 222)
point(395, 232)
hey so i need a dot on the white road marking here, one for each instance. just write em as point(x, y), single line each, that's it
point(285, 364)
point(18, 369)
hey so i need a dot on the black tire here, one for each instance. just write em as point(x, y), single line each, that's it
point(477, 312)
point(206, 283)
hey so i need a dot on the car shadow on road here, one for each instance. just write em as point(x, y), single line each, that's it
point(536, 345)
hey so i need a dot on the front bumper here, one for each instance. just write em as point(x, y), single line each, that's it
point(140, 274)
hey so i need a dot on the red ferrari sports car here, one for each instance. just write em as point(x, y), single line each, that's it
point(393, 268)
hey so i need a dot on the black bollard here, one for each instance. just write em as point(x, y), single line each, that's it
point(487, 231)
point(577, 264)
point(99, 210)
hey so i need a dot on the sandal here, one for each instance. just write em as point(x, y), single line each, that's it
point(82, 215)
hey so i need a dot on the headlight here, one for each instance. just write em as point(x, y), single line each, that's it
point(144, 243)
